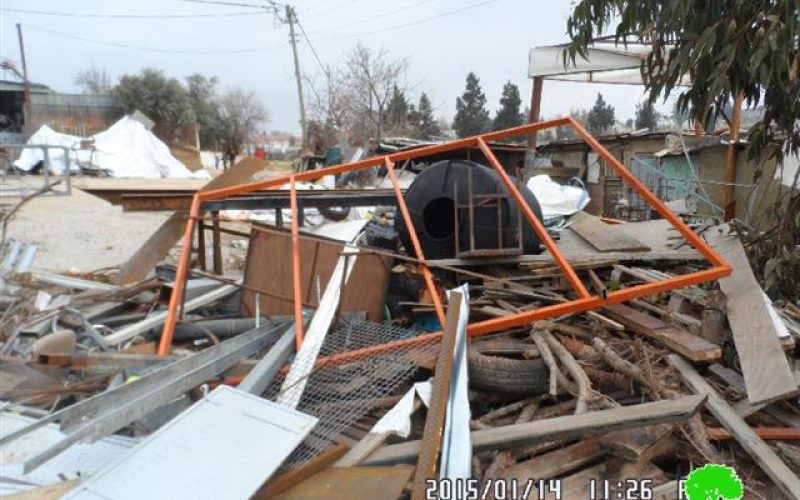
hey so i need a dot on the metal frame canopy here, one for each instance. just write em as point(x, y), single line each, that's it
point(584, 301)
point(607, 62)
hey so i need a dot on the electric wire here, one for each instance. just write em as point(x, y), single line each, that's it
point(411, 23)
point(154, 49)
point(371, 18)
point(311, 46)
point(130, 16)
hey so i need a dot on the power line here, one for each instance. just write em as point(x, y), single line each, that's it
point(155, 49)
point(130, 16)
point(318, 13)
point(311, 46)
point(412, 23)
point(371, 18)
point(235, 4)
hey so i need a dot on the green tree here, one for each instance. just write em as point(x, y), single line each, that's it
point(601, 116)
point(509, 115)
point(728, 49)
point(428, 128)
point(646, 116)
point(471, 114)
point(164, 100)
point(397, 109)
point(202, 95)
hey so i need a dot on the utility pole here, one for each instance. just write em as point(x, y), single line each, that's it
point(291, 18)
point(24, 78)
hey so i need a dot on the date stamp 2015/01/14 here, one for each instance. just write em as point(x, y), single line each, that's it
point(497, 489)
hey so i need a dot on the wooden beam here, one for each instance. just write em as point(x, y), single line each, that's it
point(754, 333)
point(556, 463)
point(292, 477)
point(729, 189)
point(762, 454)
point(679, 340)
point(568, 427)
point(536, 107)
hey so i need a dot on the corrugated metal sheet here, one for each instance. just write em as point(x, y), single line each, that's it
point(224, 446)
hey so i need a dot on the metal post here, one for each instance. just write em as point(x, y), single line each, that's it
point(291, 18)
point(201, 244)
point(217, 242)
point(25, 80)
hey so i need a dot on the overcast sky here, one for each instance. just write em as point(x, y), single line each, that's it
point(442, 40)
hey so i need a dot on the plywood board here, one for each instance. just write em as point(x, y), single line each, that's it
point(755, 336)
point(604, 237)
point(269, 268)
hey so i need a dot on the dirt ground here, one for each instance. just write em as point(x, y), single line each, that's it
point(80, 232)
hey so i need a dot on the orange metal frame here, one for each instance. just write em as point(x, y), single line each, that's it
point(585, 301)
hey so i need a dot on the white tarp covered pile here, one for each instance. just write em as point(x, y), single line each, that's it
point(126, 149)
point(557, 200)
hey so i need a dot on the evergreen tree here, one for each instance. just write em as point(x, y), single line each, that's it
point(601, 116)
point(397, 109)
point(509, 115)
point(471, 114)
point(428, 128)
point(646, 116)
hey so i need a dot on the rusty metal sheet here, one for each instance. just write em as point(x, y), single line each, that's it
point(375, 483)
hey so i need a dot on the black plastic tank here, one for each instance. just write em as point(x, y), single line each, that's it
point(432, 200)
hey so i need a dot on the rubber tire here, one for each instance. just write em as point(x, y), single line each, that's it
point(519, 377)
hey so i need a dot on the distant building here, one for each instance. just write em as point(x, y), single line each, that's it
point(75, 114)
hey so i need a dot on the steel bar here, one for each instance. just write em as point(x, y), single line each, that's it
point(158, 318)
point(440, 392)
point(216, 238)
point(261, 375)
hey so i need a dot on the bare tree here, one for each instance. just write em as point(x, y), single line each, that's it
point(94, 80)
point(239, 114)
point(370, 78)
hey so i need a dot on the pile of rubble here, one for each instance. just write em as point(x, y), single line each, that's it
point(343, 362)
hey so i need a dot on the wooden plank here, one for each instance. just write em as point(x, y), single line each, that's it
point(375, 483)
point(762, 454)
point(165, 237)
point(288, 479)
point(555, 463)
point(754, 334)
point(604, 237)
point(631, 444)
point(679, 340)
point(568, 427)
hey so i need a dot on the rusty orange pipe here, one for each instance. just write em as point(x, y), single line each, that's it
point(175, 300)
point(296, 280)
point(534, 221)
point(426, 273)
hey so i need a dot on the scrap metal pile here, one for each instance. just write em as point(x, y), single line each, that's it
point(456, 343)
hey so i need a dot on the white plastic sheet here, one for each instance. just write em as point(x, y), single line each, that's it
point(126, 149)
point(555, 199)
